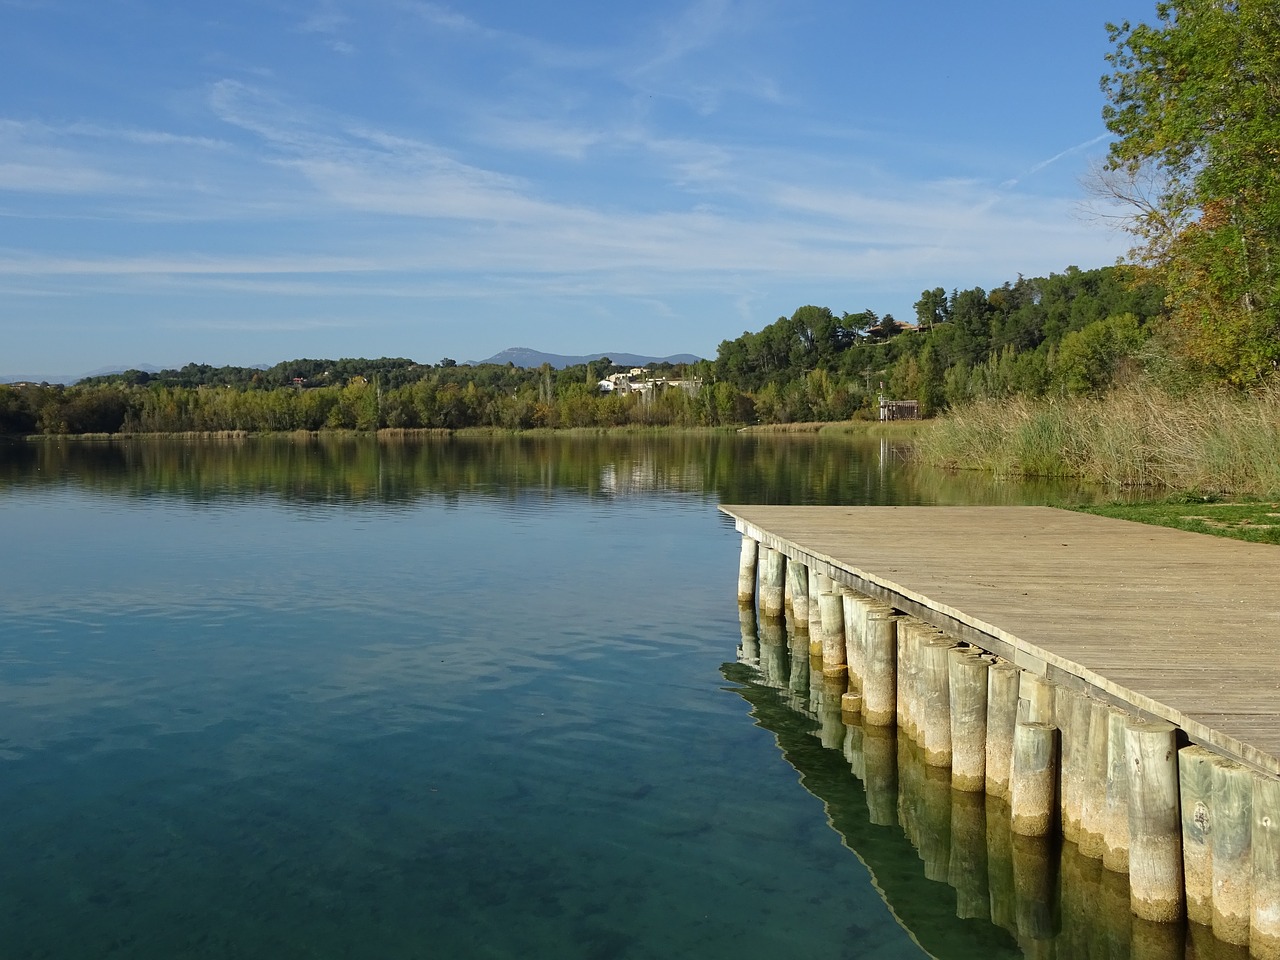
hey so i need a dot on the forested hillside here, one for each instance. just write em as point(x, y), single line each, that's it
point(1073, 332)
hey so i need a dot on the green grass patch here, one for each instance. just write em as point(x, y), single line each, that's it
point(1256, 521)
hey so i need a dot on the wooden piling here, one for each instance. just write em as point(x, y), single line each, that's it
point(880, 687)
point(1073, 726)
point(1033, 779)
point(1232, 854)
point(814, 589)
point(747, 571)
point(936, 705)
point(1264, 925)
point(855, 656)
point(967, 686)
point(772, 570)
point(1115, 831)
point(831, 611)
point(1093, 769)
point(909, 632)
point(1035, 698)
point(1195, 790)
point(798, 585)
point(1002, 716)
point(1155, 828)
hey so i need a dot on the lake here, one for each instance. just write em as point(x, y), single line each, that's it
point(323, 698)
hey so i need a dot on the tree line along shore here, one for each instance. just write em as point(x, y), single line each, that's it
point(1071, 333)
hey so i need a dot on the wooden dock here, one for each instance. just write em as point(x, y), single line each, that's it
point(1175, 625)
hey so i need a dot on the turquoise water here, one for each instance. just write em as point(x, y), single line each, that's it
point(457, 700)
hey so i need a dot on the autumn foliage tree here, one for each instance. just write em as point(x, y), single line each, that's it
point(1194, 102)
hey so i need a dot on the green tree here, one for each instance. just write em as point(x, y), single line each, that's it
point(1194, 102)
point(1089, 359)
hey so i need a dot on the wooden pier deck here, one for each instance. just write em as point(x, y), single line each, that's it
point(1181, 626)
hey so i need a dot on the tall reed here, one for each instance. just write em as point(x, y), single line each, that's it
point(1211, 441)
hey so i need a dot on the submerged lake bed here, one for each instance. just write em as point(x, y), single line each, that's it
point(328, 698)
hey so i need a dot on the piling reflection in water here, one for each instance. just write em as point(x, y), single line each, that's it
point(1009, 895)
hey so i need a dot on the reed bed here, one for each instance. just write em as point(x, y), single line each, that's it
point(1136, 436)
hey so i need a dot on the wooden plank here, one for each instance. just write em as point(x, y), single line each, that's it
point(1176, 625)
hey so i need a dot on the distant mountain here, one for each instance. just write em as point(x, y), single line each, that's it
point(68, 378)
point(108, 371)
point(526, 357)
point(37, 378)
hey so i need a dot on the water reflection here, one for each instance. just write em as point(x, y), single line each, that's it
point(327, 469)
point(1009, 895)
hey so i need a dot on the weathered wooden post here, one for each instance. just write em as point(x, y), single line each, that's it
point(831, 610)
point(1002, 716)
point(815, 618)
point(1035, 698)
point(851, 705)
point(879, 689)
point(1264, 926)
point(1195, 788)
point(1115, 832)
point(1155, 826)
point(937, 702)
point(798, 584)
point(1033, 784)
point(1073, 725)
point(1093, 798)
point(1229, 835)
point(909, 629)
point(967, 685)
point(747, 571)
point(772, 570)
point(855, 656)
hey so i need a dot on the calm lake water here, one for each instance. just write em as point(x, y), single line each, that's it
point(302, 698)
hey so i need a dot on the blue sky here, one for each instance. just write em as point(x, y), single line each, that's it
point(248, 182)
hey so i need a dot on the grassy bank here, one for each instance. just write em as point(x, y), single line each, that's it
point(1211, 443)
point(1257, 521)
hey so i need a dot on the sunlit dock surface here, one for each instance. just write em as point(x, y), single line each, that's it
point(1170, 624)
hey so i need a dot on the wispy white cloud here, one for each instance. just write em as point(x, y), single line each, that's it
point(1036, 168)
point(443, 18)
point(329, 22)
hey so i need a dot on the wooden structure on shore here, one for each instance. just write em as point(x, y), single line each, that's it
point(1113, 681)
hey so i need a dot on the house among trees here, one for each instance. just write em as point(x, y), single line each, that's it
point(899, 409)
